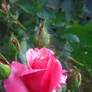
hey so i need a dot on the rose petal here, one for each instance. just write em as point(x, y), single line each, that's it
point(13, 83)
point(34, 55)
point(59, 76)
point(33, 80)
point(53, 76)
point(45, 51)
point(31, 55)
point(54, 91)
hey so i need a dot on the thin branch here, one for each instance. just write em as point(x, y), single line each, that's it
point(73, 60)
point(15, 20)
point(5, 60)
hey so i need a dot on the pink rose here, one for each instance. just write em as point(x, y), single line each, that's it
point(4, 6)
point(44, 73)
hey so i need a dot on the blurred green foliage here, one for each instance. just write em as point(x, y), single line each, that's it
point(70, 30)
point(83, 50)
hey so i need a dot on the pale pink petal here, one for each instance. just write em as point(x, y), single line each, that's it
point(13, 83)
point(18, 68)
point(54, 91)
point(31, 55)
point(63, 79)
point(45, 51)
point(34, 55)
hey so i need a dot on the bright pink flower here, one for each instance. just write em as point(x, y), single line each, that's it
point(4, 6)
point(44, 73)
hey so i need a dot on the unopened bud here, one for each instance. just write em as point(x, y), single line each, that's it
point(5, 71)
point(42, 38)
point(74, 81)
point(1, 61)
point(14, 44)
point(77, 80)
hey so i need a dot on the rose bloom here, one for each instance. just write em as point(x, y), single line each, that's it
point(4, 6)
point(44, 73)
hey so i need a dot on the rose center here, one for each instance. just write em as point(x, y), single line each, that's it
point(40, 63)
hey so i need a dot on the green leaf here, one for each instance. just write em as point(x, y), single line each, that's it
point(3, 90)
point(46, 14)
point(29, 6)
point(58, 90)
point(22, 53)
point(13, 1)
point(63, 89)
point(42, 2)
point(68, 16)
point(71, 37)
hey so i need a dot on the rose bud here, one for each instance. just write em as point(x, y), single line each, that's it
point(74, 81)
point(5, 71)
point(1, 61)
point(14, 44)
point(4, 6)
point(78, 80)
point(41, 38)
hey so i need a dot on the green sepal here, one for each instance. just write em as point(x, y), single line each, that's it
point(5, 71)
point(13, 46)
point(78, 81)
point(44, 39)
